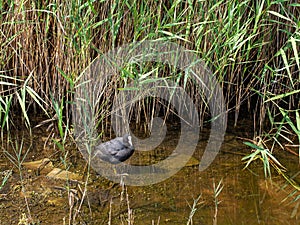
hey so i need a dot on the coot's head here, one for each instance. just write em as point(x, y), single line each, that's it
point(127, 140)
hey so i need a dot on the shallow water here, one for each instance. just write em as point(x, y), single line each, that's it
point(246, 198)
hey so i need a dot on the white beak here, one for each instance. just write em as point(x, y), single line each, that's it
point(129, 140)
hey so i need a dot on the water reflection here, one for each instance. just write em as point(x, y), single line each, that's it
point(245, 199)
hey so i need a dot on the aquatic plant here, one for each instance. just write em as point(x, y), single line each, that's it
point(252, 48)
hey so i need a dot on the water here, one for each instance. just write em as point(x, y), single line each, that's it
point(246, 197)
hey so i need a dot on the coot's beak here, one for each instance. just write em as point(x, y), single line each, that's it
point(129, 140)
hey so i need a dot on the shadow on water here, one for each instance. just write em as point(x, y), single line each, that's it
point(246, 197)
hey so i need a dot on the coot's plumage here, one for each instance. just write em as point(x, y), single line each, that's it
point(115, 151)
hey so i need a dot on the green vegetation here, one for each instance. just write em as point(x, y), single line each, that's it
point(252, 47)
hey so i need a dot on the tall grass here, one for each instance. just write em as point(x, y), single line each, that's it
point(17, 157)
point(252, 47)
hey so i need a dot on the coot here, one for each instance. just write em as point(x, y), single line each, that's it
point(115, 151)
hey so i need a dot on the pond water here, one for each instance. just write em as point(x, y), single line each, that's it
point(246, 197)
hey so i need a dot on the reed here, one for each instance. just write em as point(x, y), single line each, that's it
point(16, 156)
point(252, 47)
point(194, 208)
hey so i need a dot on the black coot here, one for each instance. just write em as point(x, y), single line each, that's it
point(115, 151)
